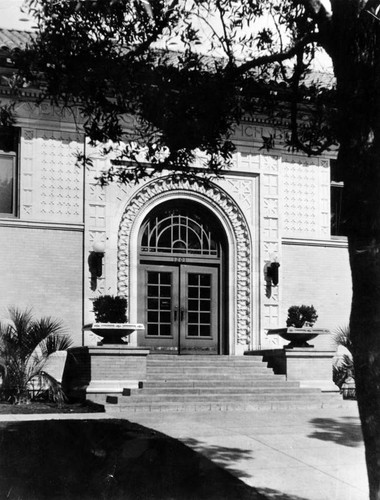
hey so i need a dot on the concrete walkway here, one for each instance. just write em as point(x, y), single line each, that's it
point(287, 455)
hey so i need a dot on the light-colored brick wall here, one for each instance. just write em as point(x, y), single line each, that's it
point(41, 268)
point(317, 275)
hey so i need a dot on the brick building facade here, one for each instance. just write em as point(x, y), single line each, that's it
point(199, 252)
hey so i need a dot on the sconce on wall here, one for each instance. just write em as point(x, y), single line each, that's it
point(95, 262)
point(272, 273)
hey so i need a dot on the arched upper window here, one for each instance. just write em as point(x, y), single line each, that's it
point(180, 231)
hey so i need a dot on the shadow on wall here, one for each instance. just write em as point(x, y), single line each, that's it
point(77, 373)
point(344, 431)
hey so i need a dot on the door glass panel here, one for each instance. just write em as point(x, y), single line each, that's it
point(192, 305)
point(204, 280)
point(193, 317)
point(153, 291)
point(204, 305)
point(205, 318)
point(159, 303)
point(152, 317)
point(165, 317)
point(165, 330)
point(192, 331)
point(193, 279)
point(204, 330)
point(199, 305)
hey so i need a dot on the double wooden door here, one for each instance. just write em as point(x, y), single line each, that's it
point(180, 307)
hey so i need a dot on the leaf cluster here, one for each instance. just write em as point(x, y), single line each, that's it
point(25, 345)
point(299, 316)
point(110, 309)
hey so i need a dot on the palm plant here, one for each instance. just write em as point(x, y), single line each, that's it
point(344, 370)
point(342, 337)
point(25, 345)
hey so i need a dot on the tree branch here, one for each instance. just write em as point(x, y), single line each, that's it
point(278, 56)
point(227, 41)
point(140, 49)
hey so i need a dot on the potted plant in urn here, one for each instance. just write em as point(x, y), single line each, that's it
point(300, 316)
point(111, 320)
point(300, 327)
point(110, 309)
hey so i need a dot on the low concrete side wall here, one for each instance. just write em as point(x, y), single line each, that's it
point(311, 367)
point(104, 369)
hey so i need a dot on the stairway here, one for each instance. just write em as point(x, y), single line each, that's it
point(204, 383)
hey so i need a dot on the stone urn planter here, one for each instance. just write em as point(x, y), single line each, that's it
point(111, 326)
point(300, 328)
point(298, 337)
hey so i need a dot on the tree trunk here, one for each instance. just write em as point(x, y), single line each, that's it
point(365, 332)
point(357, 68)
point(362, 215)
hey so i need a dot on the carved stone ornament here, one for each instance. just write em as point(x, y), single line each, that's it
point(218, 200)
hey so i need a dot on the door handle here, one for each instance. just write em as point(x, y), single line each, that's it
point(175, 313)
point(182, 313)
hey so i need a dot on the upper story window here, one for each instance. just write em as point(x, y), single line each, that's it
point(8, 171)
point(337, 228)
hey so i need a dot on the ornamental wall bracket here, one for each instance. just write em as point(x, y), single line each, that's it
point(220, 202)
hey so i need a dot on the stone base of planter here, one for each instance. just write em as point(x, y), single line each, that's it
point(104, 369)
point(310, 367)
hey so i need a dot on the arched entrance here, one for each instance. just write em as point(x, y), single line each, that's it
point(235, 300)
point(182, 280)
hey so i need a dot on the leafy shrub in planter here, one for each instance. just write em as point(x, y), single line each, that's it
point(110, 309)
point(299, 316)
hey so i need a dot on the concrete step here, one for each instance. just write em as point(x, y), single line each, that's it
point(214, 379)
point(227, 364)
point(208, 369)
point(221, 379)
point(215, 390)
point(204, 362)
point(217, 383)
point(310, 403)
point(220, 397)
point(203, 357)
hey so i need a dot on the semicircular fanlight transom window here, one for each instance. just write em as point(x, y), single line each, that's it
point(176, 231)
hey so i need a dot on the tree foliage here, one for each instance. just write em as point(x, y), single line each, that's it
point(186, 71)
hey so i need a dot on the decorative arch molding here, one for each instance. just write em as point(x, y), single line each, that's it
point(223, 206)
